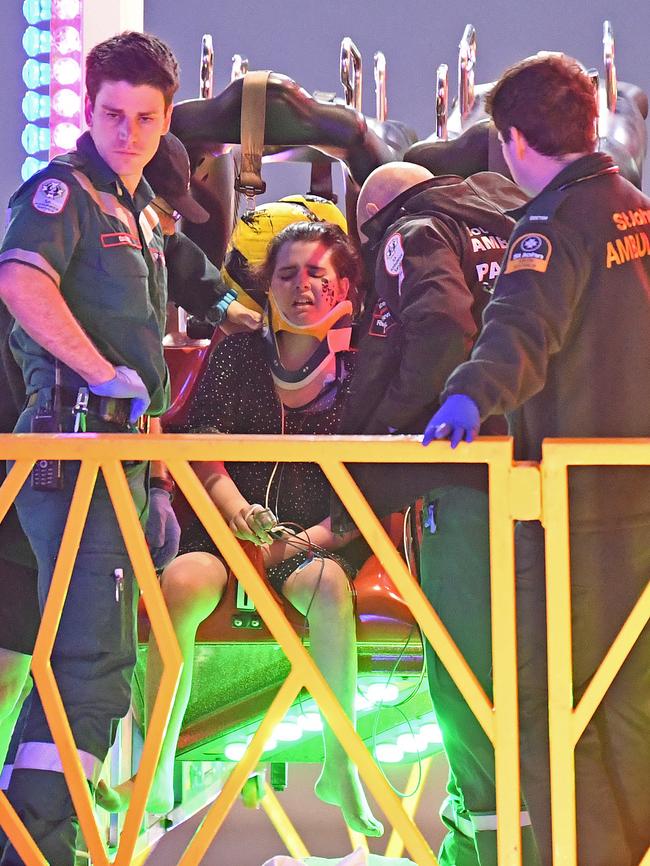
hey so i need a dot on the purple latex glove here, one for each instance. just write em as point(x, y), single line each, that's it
point(126, 383)
point(457, 419)
point(162, 532)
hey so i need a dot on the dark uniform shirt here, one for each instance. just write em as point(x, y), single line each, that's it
point(103, 248)
point(565, 346)
point(437, 250)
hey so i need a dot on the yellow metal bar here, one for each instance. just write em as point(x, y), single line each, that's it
point(504, 661)
point(12, 484)
point(170, 653)
point(611, 664)
point(357, 840)
point(410, 591)
point(646, 859)
point(42, 668)
point(282, 823)
point(301, 661)
point(560, 673)
point(395, 846)
point(219, 810)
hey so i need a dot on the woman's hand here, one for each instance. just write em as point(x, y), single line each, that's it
point(252, 523)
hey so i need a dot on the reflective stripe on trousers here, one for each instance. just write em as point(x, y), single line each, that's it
point(45, 756)
point(473, 823)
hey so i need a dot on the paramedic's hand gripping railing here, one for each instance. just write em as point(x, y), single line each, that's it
point(515, 494)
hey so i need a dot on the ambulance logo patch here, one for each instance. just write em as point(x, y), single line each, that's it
point(530, 252)
point(51, 196)
point(393, 255)
point(382, 320)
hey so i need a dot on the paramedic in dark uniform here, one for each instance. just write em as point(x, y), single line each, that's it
point(194, 283)
point(434, 246)
point(565, 352)
point(82, 272)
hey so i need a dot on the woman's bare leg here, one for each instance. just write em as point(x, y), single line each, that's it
point(192, 587)
point(15, 685)
point(321, 590)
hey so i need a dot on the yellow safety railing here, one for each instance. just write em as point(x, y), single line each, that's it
point(516, 492)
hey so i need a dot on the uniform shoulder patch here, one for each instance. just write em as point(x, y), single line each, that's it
point(529, 252)
point(51, 196)
point(393, 254)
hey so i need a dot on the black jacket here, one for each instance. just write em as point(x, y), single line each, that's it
point(436, 251)
point(565, 346)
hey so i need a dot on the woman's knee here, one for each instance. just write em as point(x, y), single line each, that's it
point(15, 682)
point(332, 587)
point(195, 583)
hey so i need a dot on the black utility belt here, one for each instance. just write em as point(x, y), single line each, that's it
point(115, 410)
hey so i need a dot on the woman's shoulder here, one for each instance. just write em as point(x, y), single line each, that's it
point(246, 345)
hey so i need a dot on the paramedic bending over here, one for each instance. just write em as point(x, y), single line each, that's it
point(292, 378)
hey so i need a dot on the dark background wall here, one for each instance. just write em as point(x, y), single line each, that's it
point(302, 38)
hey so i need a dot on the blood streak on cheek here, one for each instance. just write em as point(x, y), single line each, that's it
point(328, 291)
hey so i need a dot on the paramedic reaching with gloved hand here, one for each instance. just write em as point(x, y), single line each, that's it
point(82, 272)
point(565, 352)
point(436, 244)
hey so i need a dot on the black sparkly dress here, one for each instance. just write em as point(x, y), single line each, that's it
point(235, 395)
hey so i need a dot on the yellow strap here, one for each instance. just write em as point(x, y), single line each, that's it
point(253, 118)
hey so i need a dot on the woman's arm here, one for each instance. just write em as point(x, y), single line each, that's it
point(248, 522)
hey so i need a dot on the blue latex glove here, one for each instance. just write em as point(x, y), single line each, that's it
point(162, 532)
point(126, 383)
point(457, 419)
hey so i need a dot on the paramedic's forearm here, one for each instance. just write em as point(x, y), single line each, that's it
point(37, 304)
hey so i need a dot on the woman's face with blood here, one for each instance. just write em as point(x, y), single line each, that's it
point(305, 284)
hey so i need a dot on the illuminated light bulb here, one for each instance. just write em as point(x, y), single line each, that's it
point(310, 722)
point(35, 106)
point(270, 744)
point(66, 102)
point(36, 41)
point(66, 70)
point(412, 742)
point(35, 138)
point(388, 753)
point(235, 751)
point(36, 74)
point(66, 9)
point(37, 10)
point(67, 39)
point(432, 732)
point(382, 693)
point(288, 731)
point(65, 135)
point(30, 166)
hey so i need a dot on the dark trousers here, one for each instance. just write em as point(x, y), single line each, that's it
point(610, 567)
point(92, 659)
point(455, 574)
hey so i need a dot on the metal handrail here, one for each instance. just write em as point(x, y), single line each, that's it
point(610, 65)
point(466, 71)
point(351, 73)
point(381, 99)
point(239, 67)
point(442, 101)
point(206, 75)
